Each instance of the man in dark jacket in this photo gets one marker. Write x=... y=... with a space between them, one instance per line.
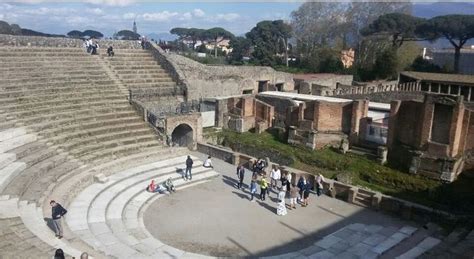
x=57 y=213
x=189 y=165
x=240 y=175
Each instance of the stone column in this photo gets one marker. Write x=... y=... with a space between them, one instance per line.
x=449 y=89
x=469 y=93
x=429 y=87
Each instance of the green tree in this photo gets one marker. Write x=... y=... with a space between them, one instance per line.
x=192 y=34
x=457 y=29
x=74 y=34
x=386 y=64
x=399 y=27
x=269 y=40
x=5 y=28
x=240 y=48
x=422 y=65
x=92 y=34
x=217 y=35
x=127 y=35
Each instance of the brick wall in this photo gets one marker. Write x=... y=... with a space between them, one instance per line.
x=332 y=117
x=408 y=121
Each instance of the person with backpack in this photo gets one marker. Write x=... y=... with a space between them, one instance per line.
x=294 y=192
x=189 y=166
x=57 y=213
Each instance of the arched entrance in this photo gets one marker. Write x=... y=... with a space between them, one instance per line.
x=183 y=136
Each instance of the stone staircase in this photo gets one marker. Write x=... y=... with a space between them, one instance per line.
x=108 y=216
x=138 y=71
x=62 y=115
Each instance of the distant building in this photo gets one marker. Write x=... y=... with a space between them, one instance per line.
x=134 y=26
x=347 y=58
x=445 y=58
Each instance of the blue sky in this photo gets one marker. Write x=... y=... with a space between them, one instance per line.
x=108 y=16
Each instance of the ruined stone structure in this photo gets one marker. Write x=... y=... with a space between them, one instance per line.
x=434 y=137
x=316 y=121
x=320 y=84
x=244 y=113
x=455 y=84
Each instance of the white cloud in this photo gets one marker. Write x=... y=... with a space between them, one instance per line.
x=5 y=7
x=109 y=2
x=159 y=17
x=186 y=16
x=96 y=11
x=2 y=16
x=228 y=17
x=198 y=13
x=129 y=16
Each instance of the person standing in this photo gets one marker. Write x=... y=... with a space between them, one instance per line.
x=59 y=254
x=57 y=213
x=240 y=175
x=319 y=184
x=263 y=188
x=305 y=192
x=281 y=209
x=294 y=192
x=275 y=176
x=253 y=188
x=189 y=166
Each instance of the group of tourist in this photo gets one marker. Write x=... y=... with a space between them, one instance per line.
x=281 y=183
x=91 y=46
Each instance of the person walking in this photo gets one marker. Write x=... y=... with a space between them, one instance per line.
x=275 y=176
x=300 y=185
x=319 y=184
x=294 y=192
x=253 y=188
x=263 y=188
x=189 y=166
x=57 y=213
x=240 y=175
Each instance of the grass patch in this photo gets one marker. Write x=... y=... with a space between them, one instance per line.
x=364 y=172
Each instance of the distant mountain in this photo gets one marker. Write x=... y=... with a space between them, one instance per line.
x=165 y=36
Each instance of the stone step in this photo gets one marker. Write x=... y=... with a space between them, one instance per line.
x=25 y=150
x=142 y=72
x=49 y=74
x=16 y=141
x=9 y=172
x=393 y=240
x=6 y=159
x=130 y=205
x=44 y=55
x=139 y=80
x=11 y=133
x=119 y=151
x=74 y=129
x=96 y=196
x=38 y=98
x=119 y=105
x=27 y=68
x=112 y=98
x=99 y=75
x=151 y=85
x=32 y=218
x=33 y=85
x=40 y=49
x=8 y=209
x=150 y=75
x=47 y=90
x=118 y=61
x=425 y=245
x=119 y=67
x=81 y=146
x=83 y=121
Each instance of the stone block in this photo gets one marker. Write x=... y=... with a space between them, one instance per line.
x=100 y=178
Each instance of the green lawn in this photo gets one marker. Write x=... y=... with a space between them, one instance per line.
x=455 y=197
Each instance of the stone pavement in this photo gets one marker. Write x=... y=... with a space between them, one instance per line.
x=217 y=219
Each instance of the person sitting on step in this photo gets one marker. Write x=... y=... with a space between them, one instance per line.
x=208 y=163
x=110 y=51
x=168 y=184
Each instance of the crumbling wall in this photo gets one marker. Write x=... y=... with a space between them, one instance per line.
x=214 y=81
